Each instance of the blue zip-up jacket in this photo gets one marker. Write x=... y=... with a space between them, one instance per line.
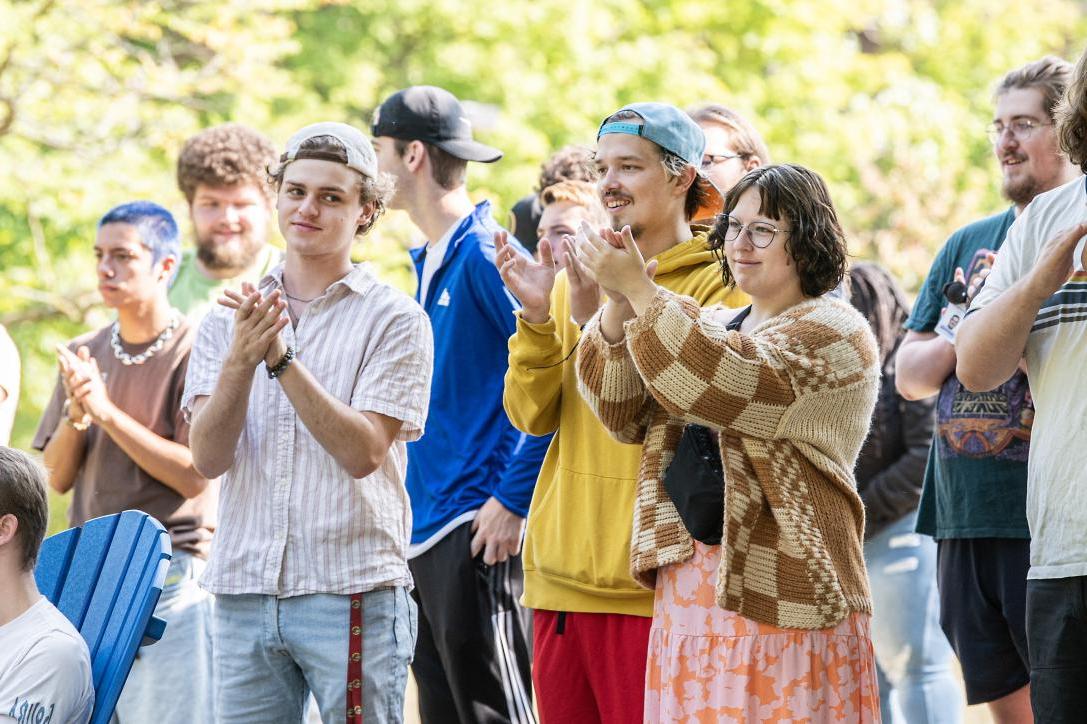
x=469 y=451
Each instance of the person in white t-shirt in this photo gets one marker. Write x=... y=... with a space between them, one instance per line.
x=1033 y=308
x=45 y=670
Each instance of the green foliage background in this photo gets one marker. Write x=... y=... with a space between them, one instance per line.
x=888 y=99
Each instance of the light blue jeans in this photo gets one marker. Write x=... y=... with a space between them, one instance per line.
x=171 y=679
x=271 y=653
x=916 y=683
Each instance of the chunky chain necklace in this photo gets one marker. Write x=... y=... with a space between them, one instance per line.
x=138 y=359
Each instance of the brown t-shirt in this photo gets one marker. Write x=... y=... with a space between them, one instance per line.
x=109 y=481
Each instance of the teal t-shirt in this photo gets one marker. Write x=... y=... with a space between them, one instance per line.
x=976 y=478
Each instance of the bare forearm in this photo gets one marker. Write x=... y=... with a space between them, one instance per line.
x=612 y=319
x=991 y=341
x=63 y=456
x=166 y=461
x=922 y=365
x=350 y=437
x=217 y=423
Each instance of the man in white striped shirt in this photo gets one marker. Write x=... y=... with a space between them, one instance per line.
x=309 y=563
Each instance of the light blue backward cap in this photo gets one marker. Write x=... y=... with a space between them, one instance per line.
x=665 y=125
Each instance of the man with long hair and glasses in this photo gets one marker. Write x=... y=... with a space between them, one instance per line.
x=974 y=497
x=1031 y=308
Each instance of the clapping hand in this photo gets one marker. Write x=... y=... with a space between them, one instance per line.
x=612 y=259
x=530 y=281
x=257 y=324
x=584 y=291
x=84 y=385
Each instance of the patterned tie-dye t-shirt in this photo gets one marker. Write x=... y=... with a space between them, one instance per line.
x=976 y=479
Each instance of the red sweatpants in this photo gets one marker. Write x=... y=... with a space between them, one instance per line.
x=589 y=668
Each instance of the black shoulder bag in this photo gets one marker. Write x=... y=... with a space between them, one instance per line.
x=695 y=479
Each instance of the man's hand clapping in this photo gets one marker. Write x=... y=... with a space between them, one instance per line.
x=613 y=260
x=530 y=281
x=257 y=324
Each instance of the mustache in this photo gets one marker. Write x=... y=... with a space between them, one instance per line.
x=615 y=195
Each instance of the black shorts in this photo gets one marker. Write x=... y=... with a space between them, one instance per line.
x=1057 y=629
x=983 y=587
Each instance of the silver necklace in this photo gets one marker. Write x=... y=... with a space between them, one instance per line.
x=138 y=359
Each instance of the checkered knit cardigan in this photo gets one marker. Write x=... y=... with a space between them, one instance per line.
x=792 y=402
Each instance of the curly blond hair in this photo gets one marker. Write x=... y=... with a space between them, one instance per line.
x=579 y=193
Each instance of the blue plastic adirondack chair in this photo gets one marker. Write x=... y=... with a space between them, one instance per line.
x=106 y=577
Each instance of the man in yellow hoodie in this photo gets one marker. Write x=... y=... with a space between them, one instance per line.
x=592 y=620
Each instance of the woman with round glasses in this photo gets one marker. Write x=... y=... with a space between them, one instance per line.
x=762 y=604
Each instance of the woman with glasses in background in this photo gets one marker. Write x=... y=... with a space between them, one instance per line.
x=747 y=522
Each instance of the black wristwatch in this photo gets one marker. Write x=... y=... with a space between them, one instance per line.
x=281 y=366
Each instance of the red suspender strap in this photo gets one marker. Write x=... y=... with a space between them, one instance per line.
x=354 y=663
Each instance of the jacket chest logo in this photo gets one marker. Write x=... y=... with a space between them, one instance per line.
x=444 y=299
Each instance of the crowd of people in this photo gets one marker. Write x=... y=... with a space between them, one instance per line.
x=656 y=452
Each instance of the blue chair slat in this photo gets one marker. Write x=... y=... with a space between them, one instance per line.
x=126 y=628
x=129 y=631
x=53 y=562
x=81 y=578
x=110 y=613
x=107 y=578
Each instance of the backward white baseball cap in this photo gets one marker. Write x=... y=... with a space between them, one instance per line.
x=359 y=148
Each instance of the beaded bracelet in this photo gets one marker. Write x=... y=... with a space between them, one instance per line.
x=281 y=366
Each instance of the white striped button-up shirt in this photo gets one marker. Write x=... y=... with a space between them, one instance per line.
x=292 y=521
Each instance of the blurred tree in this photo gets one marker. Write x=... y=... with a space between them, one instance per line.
x=95 y=96
x=886 y=98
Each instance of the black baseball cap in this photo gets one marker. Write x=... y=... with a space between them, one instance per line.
x=432 y=115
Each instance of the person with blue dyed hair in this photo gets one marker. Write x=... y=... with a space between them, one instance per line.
x=113 y=434
x=155 y=225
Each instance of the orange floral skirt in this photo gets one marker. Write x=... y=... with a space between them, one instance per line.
x=707 y=664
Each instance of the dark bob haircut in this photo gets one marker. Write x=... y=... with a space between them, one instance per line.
x=799 y=197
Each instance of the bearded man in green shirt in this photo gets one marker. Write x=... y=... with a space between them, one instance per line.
x=223 y=172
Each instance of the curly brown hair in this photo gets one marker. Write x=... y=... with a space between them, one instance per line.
x=569 y=163
x=325 y=148
x=1071 y=115
x=225 y=155
x=799 y=196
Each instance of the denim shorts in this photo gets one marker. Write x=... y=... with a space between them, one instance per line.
x=351 y=652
